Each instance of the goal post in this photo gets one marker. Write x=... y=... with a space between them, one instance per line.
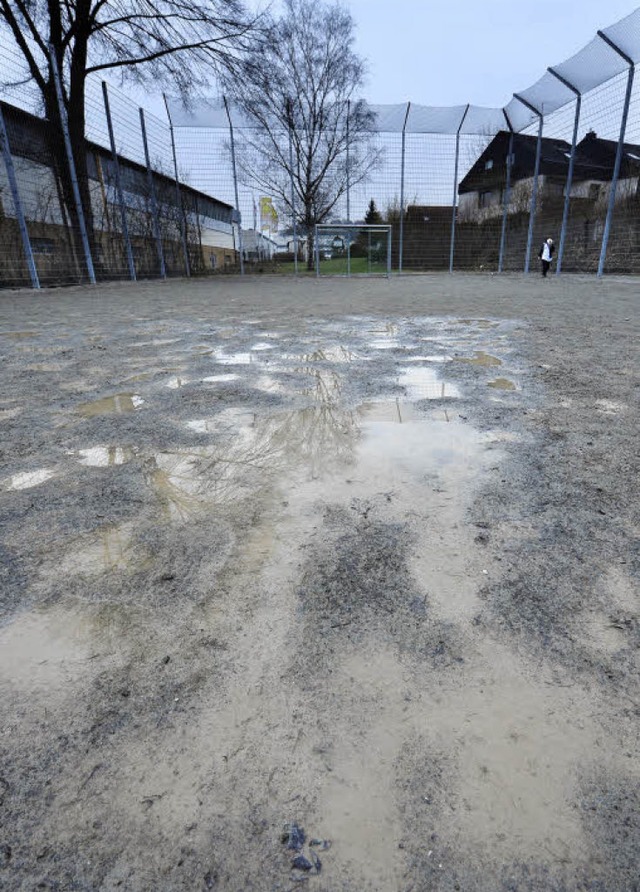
x=352 y=249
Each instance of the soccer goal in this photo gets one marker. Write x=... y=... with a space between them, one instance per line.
x=352 y=249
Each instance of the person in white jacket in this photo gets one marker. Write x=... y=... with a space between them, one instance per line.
x=545 y=254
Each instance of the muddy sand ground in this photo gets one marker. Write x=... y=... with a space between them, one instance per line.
x=330 y=585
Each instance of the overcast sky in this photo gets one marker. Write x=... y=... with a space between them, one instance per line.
x=480 y=51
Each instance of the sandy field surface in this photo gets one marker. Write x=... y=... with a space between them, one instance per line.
x=328 y=585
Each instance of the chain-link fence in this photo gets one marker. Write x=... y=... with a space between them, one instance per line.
x=117 y=206
x=463 y=188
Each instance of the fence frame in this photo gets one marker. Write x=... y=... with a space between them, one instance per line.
x=72 y=167
x=17 y=203
x=152 y=196
x=619 y=151
x=116 y=168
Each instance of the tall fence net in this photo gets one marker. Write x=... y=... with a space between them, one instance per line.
x=462 y=188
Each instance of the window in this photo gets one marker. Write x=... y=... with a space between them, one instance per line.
x=212 y=261
x=484 y=199
x=594 y=191
x=488 y=165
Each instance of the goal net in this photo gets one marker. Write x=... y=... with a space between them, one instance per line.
x=347 y=249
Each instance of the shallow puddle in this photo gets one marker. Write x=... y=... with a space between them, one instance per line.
x=103 y=456
x=29 y=479
x=111 y=405
x=177 y=382
x=331 y=354
x=502 y=384
x=384 y=344
x=391 y=412
x=482 y=359
x=425 y=384
x=220 y=379
x=108 y=549
x=41 y=650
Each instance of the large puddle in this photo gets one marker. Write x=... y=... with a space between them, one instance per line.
x=319 y=439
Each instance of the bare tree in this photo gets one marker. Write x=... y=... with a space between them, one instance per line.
x=298 y=89
x=169 y=40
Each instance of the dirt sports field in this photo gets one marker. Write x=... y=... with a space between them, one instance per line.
x=328 y=585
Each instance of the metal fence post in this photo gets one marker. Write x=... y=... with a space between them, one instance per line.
x=455 y=191
x=72 y=167
x=572 y=159
x=402 y=160
x=619 y=152
x=17 y=203
x=179 y=206
x=116 y=168
x=316 y=249
x=536 y=174
x=152 y=197
x=293 y=190
x=389 y=233
x=235 y=184
x=506 y=198
x=348 y=163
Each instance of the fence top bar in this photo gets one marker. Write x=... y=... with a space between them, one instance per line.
x=564 y=81
x=527 y=104
x=616 y=48
x=595 y=64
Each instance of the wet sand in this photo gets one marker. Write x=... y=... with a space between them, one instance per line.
x=357 y=555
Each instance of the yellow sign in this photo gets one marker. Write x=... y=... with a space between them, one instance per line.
x=268 y=215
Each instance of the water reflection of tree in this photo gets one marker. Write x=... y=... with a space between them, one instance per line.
x=248 y=458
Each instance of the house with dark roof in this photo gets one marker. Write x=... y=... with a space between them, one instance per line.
x=481 y=192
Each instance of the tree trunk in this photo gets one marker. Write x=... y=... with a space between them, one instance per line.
x=59 y=161
x=311 y=232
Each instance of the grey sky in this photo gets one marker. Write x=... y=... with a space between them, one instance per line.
x=478 y=51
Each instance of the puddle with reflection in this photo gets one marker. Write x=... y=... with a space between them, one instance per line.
x=432 y=358
x=229 y=420
x=270 y=384
x=383 y=344
x=220 y=379
x=108 y=548
x=479 y=323
x=420 y=446
x=331 y=354
x=103 y=456
x=111 y=405
x=28 y=479
x=177 y=382
x=425 y=384
x=482 y=359
x=502 y=384
x=388 y=412
x=234 y=358
x=390 y=329
x=158 y=342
